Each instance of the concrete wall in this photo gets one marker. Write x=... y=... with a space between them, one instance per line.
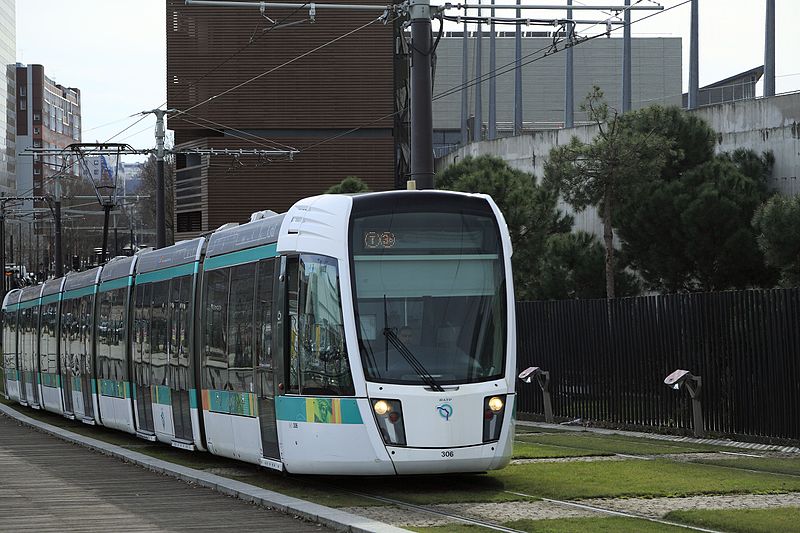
x=764 y=124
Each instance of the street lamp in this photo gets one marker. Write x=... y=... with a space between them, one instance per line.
x=542 y=377
x=104 y=179
x=694 y=385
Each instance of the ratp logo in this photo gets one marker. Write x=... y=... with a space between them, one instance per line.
x=445 y=410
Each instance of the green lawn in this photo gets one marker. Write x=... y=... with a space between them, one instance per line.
x=780 y=519
x=614 y=479
x=610 y=444
x=615 y=524
x=764 y=464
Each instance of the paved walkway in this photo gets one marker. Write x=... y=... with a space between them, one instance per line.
x=47 y=484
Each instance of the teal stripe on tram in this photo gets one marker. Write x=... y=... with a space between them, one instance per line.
x=94 y=386
x=250 y=255
x=161 y=395
x=114 y=389
x=76 y=384
x=128 y=390
x=317 y=410
x=113 y=284
x=51 y=380
x=192 y=398
x=77 y=293
x=50 y=298
x=28 y=304
x=167 y=273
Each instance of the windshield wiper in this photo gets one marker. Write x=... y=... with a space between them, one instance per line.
x=415 y=364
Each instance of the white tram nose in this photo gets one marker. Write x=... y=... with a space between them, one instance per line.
x=451 y=431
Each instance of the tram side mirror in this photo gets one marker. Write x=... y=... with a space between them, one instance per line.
x=529 y=373
x=677 y=379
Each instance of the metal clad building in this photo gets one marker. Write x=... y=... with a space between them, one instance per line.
x=656 y=78
x=308 y=101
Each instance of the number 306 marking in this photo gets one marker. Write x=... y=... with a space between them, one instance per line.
x=447 y=453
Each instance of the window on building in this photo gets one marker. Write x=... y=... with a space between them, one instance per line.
x=37 y=117
x=23 y=105
x=36 y=131
x=22 y=90
x=37 y=171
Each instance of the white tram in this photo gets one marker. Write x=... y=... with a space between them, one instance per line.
x=366 y=334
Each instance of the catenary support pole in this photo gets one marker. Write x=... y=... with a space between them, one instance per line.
x=518 y=74
x=569 y=91
x=626 y=59
x=464 y=82
x=477 y=127
x=421 y=95
x=59 y=259
x=694 y=57
x=493 y=80
x=769 y=50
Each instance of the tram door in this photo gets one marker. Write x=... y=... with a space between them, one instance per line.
x=86 y=367
x=66 y=331
x=141 y=359
x=178 y=356
x=267 y=321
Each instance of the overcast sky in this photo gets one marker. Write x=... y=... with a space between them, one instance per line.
x=114 y=50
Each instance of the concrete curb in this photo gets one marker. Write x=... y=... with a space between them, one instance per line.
x=330 y=517
x=670 y=438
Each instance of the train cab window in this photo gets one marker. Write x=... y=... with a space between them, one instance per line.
x=215 y=329
x=240 y=328
x=317 y=353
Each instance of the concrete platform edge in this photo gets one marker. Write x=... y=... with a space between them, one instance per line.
x=328 y=516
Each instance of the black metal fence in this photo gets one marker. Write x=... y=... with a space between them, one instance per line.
x=608 y=359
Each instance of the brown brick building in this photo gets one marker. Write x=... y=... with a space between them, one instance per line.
x=309 y=104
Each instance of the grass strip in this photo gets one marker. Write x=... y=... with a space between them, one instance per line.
x=614 y=524
x=619 y=444
x=648 y=479
x=776 y=465
x=784 y=519
x=525 y=450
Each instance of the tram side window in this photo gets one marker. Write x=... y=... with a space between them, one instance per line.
x=103 y=327
x=141 y=347
x=10 y=341
x=158 y=333
x=48 y=342
x=319 y=329
x=180 y=300
x=240 y=327
x=215 y=329
x=111 y=327
x=84 y=306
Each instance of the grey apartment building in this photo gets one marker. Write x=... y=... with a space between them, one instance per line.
x=655 y=78
x=8 y=51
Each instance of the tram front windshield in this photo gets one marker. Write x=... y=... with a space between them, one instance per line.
x=430 y=296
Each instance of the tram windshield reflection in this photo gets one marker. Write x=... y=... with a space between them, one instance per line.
x=436 y=282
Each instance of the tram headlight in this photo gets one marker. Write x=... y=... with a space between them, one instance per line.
x=381 y=407
x=389 y=417
x=493 y=411
x=496 y=403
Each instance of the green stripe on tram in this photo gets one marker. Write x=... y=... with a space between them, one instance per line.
x=250 y=255
x=192 y=398
x=167 y=273
x=113 y=284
